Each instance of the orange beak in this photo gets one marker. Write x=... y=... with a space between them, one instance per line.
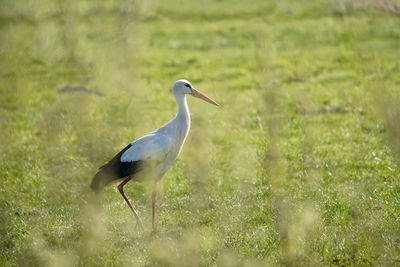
x=200 y=95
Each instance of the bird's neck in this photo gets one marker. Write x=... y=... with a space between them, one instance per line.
x=183 y=110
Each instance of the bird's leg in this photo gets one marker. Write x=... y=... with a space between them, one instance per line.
x=154 y=198
x=121 y=190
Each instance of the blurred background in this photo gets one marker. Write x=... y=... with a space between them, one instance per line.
x=299 y=166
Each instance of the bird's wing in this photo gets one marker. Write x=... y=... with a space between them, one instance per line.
x=146 y=152
x=154 y=146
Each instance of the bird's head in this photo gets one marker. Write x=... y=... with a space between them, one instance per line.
x=185 y=87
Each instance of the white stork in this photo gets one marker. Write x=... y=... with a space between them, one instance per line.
x=150 y=156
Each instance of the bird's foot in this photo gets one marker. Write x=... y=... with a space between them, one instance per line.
x=154 y=232
x=140 y=225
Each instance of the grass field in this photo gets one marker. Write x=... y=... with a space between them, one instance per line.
x=299 y=167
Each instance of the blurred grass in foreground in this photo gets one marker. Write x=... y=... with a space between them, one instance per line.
x=295 y=169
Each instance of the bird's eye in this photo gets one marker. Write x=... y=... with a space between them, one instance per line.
x=187 y=85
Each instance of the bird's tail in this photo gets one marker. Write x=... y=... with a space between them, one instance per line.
x=109 y=172
x=100 y=180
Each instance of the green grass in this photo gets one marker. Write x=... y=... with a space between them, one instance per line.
x=299 y=166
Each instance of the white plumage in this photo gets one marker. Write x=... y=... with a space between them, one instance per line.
x=153 y=154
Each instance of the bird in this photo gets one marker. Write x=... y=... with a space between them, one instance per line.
x=150 y=156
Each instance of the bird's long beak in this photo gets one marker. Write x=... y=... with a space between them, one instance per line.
x=200 y=95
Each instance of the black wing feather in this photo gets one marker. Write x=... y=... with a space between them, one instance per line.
x=114 y=170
